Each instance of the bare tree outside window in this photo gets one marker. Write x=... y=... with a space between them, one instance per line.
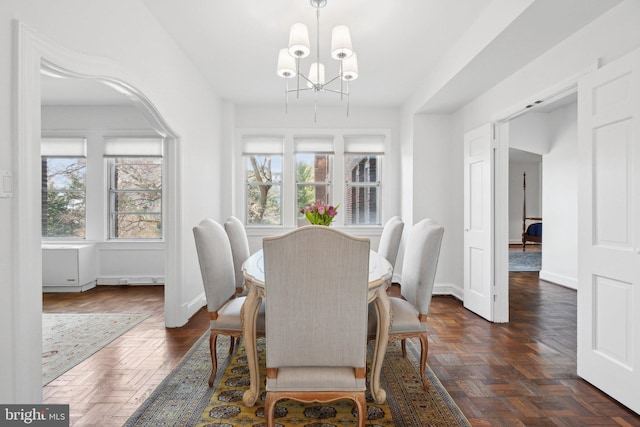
x=264 y=180
x=63 y=197
x=136 y=198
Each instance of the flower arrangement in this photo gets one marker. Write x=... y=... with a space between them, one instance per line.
x=318 y=213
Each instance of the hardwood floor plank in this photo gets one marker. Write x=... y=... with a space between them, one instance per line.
x=518 y=374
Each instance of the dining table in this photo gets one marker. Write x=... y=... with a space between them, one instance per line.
x=380 y=274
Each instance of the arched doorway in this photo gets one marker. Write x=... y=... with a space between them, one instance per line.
x=36 y=54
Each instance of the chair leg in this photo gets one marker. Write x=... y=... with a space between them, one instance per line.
x=232 y=343
x=424 y=348
x=360 y=402
x=403 y=343
x=213 y=338
x=269 y=409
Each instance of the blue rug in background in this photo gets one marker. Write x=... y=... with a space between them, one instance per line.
x=524 y=261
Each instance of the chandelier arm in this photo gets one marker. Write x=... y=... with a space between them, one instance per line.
x=307 y=79
x=315 y=106
x=336 y=77
x=298 y=78
x=299 y=90
x=339 y=92
x=341 y=81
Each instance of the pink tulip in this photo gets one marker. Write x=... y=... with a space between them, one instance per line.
x=321 y=209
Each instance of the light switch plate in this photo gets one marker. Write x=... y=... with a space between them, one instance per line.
x=6 y=183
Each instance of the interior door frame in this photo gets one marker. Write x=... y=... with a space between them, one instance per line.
x=501 y=183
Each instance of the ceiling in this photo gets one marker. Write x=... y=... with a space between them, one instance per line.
x=401 y=46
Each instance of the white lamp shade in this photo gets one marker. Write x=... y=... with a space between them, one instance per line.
x=313 y=74
x=350 y=68
x=286 y=64
x=341 y=42
x=299 y=41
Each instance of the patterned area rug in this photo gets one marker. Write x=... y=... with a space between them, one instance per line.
x=68 y=339
x=184 y=398
x=524 y=261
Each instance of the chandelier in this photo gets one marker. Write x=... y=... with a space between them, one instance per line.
x=299 y=48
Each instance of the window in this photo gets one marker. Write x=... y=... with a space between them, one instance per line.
x=282 y=174
x=263 y=178
x=363 y=157
x=64 y=168
x=313 y=171
x=135 y=187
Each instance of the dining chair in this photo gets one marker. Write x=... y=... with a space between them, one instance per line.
x=410 y=310
x=216 y=266
x=239 y=249
x=390 y=239
x=316 y=286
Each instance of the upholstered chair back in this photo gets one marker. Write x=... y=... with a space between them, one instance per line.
x=316 y=284
x=390 y=239
x=239 y=246
x=216 y=263
x=420 y=263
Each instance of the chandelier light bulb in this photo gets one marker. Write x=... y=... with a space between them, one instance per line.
x=286 y=64
x=299 y=41
x=313 y=75
x=350 y=68
x=341 y=47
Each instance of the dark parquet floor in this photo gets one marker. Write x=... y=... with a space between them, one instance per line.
x=518 y=374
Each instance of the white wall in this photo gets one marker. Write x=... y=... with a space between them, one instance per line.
x=559 y=199
x=530 y=132
x=607 y=38
x=127 y=35
x=432 y=197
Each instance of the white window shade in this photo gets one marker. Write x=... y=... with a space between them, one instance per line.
x=262 y=145
x=63 y=147
x=364 y=144
x=133 y=147
x=319 y=145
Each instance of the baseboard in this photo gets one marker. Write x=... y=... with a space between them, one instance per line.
x=81 y=288
x=130 y=280
x=195 y=304
x=559 y=279
x=448 y=289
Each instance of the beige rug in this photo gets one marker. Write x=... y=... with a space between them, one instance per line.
x=68 y=339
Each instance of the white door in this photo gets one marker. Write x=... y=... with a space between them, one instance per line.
x=478 y=221
x=609 y=230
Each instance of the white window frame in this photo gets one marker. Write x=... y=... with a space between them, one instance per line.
x=289 y=212
x=132 y=147
x=320 y=145
x=66 y=148
x=261 y=145
x=371 y=146
x=376 y=184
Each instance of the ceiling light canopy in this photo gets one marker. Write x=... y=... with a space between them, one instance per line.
x=299 y=48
